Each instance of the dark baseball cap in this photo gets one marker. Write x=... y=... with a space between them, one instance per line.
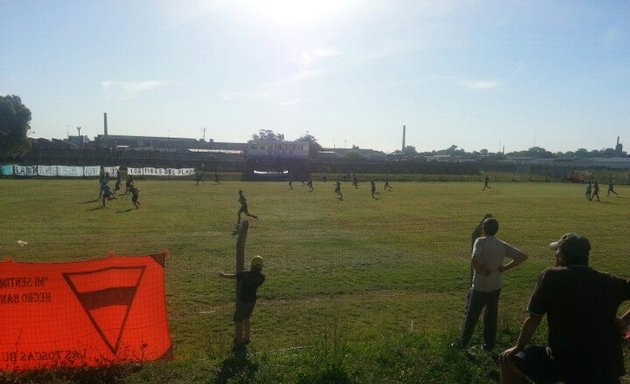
x=572 y=244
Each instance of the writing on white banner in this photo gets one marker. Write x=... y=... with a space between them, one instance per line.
x=68 y=171
x=25 y=170
x=149 y=171
x=91 y=171
x=47 y=170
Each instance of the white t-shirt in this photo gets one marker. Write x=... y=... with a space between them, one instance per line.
x=490 y=252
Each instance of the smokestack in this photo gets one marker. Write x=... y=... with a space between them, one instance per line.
x=105 y=122
x=404 y=133
x=617 y=140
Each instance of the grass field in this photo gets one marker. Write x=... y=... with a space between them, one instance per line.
x=357 y=291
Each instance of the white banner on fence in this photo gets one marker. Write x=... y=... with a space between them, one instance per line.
x=111 y=170
x=149 y=171
x=68 y=171
x=7 y=169
x=47 y=170
x=25 y=170
x=91 y=171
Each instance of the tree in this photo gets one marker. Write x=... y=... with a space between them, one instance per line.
x=314 y=146
x=409 y=151
x=267 y=135
x=14 y=126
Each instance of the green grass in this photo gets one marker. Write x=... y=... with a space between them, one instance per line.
x=357 y=291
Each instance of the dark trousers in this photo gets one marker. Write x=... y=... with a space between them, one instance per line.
x=477 y=301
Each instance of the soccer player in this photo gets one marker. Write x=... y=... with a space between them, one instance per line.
x=338 y=189
x=373 y=188
x=243 y=209
x=216 y=178
x=128 y=184
x=589 y=190
x=248 y=283
x=106 y=192
x=134 y=196
x=387 y=187
x=486 y=180
x=595 y=190
x=611 y=187
x=309 y=183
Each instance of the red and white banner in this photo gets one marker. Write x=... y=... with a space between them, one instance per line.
x=89 y=313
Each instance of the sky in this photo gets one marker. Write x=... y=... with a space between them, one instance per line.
x=496 y=75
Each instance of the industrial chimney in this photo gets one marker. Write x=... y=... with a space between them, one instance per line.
x=404 y=133
x=105 y=122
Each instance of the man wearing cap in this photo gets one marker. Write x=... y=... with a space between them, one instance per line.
x=584 y=336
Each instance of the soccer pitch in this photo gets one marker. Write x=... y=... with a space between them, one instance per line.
x=372 y=267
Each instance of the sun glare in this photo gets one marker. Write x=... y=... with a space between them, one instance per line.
x=294 y=12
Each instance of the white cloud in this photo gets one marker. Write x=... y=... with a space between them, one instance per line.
x=312 y=57
x=129 y=89
x=245 y=95
x=290 y=102
x=481 y=84
x=311 y=62
x=178 y=13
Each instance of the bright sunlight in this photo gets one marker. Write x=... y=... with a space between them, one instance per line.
x=295 y=12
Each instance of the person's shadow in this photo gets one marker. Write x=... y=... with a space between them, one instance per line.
x=237 y=365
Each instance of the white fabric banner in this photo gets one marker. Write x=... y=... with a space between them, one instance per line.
x=68 y=171
x=25 y=170
x=47 y=170
x=91 y=171
x=134 y=171
x=111 y=171
x=150 y=171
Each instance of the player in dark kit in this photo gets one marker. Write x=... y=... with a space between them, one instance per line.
x=611 y=188
x=106 y=192
x=595 y=190
x=373 y=188
x=338 y=189
x=589 y=190
x=247 y=287
x=486 y=180
x=134 y=196
x=387 y=187
x=128 y=184
x=243 y=209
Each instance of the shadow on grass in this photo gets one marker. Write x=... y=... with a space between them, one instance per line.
x=91 y=201
x=237 y=365
x=125 y=210
x=95 y=208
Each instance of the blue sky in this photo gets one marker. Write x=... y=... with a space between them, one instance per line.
x=476 y=74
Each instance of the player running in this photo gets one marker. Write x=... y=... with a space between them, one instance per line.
x=595 y=190
x=387 y=187
x=134 y=196
x=373 y=188
x=243 y=209
x=486 y=181
x=338 y=189
x=611 y=187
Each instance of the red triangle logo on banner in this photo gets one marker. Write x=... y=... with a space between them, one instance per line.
x=107 y=296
